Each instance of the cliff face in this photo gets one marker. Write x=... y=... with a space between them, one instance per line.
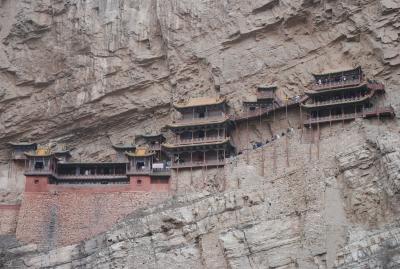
x=340 y=211
x=87 y=72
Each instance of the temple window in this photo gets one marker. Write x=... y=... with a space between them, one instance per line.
x=39 y=165
x=139 y=182
x=139 y=165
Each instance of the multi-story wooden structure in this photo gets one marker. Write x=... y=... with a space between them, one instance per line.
x=40 y=169
x=342 y=96
x=201 y=134
x=266 y=99
x=121 y=149
x=62 y=154
x=19 y=149
x=139 y=170
x=153 y=141
x=146 y=172
x=267 y=102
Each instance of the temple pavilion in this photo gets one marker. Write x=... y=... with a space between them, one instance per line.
x=342 y=95
x=121 y=149
x=153 y=141
x=19 y=149
x=40 y=161
x=55 y=164
x=266 y=99
x=201 y=134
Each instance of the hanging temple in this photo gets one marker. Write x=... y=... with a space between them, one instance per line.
x=201 y=135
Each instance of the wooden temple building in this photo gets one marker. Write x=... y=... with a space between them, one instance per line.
x=19 y=149
x=201 y=134
x=121 y=148
x=266 y=100
x=153 y=141
x=146 y=171
x=343 y=95
x=138 y=169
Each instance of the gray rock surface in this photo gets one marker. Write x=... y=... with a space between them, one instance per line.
x=89 y=72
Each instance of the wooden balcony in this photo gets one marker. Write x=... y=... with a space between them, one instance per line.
x=18 y=156
x=340 y=101
x=336 y=84
x=262 y=95
x=201 y=140
x=156 y=147
x=155 y=172
x=198 y=121
x=376 y=86
x=386 y=111
x=161 y=172
x=207 y=163
x=267 y=111
x=138 y=172
x=91 y=177
x=39 y=172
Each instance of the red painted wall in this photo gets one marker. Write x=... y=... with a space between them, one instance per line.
x=160 y=184
x=36 y=184
x=140 y=183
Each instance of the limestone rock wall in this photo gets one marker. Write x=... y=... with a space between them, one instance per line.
x=306 y=214
x=88 y=73
x=85 y=72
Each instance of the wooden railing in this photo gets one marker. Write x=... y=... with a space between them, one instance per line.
x=199 y=164
x=368 y=112
x=44 y=171
x=336 y=84
x=201 y=140
x=338 y=101
x=385 y=110
x=161 y=171
x=265 y=95
x=90 y=177
x=18 y=156
x=155 y=147
x=200 y=120
x=376 y=86
x=263 y=111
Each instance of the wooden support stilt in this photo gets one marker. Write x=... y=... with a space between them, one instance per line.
x=273 y=109
x=223 y=157
x=177 y=176
x=191 y=168
x=286 y=111
x=301 y=124
x=262 y=146
x=204 y=165
x=318 y=135
x=248 y=139
x=274 y=158
x=379 y=121
x=342 y=117
x=311 y=139
x=287 y=150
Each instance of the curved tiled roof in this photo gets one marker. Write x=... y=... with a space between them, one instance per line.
x=141 y=152
x=200 y=101
x=331 y=71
